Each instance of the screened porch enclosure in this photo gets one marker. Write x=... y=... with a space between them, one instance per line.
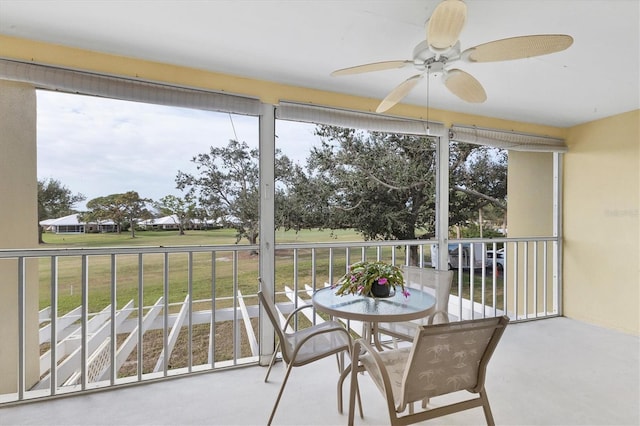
x=203 y=307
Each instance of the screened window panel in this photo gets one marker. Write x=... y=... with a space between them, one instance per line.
x=506 y=140
x=357 y=120
x=54 y=78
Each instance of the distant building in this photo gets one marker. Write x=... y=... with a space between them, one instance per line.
x=73 y=225
x=171 y=222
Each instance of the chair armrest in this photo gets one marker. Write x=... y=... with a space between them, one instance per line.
x=382 y=370
x=293 y=313
x=337 y=328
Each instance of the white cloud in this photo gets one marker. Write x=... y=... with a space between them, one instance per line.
x=98 y=146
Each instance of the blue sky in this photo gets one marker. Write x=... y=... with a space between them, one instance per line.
x=98 y=147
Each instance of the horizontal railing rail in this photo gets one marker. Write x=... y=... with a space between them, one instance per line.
x=107 y=317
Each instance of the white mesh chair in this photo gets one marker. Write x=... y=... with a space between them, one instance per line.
x=304 y=346
x=429 y=280
x=443 y=358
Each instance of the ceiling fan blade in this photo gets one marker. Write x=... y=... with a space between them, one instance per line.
x=398 y=93
x=518 y=48
x=464 y=86
x=376 y=66
x=445 y=24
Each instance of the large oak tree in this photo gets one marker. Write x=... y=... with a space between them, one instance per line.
x=122 y=209
x=226 y=182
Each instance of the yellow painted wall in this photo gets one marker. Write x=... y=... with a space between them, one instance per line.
x=601 y=223
x=18 y=228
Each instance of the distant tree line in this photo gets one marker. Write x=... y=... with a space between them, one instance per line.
x=382 y=185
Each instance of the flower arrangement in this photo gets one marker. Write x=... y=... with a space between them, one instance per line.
x=362 y=276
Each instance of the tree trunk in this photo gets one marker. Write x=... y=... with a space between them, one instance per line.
x=414 y=256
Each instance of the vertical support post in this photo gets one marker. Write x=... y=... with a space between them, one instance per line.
x=212 y=326
x=237 y=342
x=267 y=142
x=112 y=320
x=190 y=309
x=140 y=313
x=84 y=370
x=22 y=321
x=165 y=315
x=442 y=202
x=557 y=231
x=53 y=369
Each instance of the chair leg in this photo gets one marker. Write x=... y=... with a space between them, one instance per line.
x=354 y=392
x=425 y=402
x=340 y=360
x=343 y=376
x=284 y=382
x=487 y=409
x=273 y=361
x=352 y=395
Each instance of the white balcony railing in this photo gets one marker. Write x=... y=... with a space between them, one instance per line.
x=111 y=317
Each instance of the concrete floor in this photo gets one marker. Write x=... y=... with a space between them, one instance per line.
x=551 y=372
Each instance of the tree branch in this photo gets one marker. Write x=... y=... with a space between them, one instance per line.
x=350 y=208
x=495 y=201
x=397 y=188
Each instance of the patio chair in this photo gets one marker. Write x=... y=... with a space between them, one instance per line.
x=443 y=359
x=429 y=280
x=306 y=345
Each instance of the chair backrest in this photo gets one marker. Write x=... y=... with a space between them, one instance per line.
x=272 y=313
x=431 y=280
x=450 y=357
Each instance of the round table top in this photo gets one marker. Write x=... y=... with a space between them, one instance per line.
x=374 y=309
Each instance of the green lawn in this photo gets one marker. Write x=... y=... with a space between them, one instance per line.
x=127 y=268
x=172 y=238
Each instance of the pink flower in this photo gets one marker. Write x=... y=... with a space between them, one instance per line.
x=382 y=281
x=360 y=288
x=406 y=292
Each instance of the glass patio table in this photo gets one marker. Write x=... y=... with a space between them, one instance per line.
x=372 y=310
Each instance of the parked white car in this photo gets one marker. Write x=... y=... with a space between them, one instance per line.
x=499 y=255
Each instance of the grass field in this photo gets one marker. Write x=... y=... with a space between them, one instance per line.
x=127 y=271
x=127 y=268
x=243 y=263
x=228 y=270
x=191 y=238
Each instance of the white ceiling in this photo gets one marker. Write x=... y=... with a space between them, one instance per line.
x=301 y=42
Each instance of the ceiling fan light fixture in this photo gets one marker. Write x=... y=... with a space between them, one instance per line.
x=464 y=86
x=445 y=25
x=441 y=49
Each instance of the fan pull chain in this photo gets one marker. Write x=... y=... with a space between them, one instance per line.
x=428 y=129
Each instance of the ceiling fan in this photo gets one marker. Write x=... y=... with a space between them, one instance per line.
x=441 y=49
